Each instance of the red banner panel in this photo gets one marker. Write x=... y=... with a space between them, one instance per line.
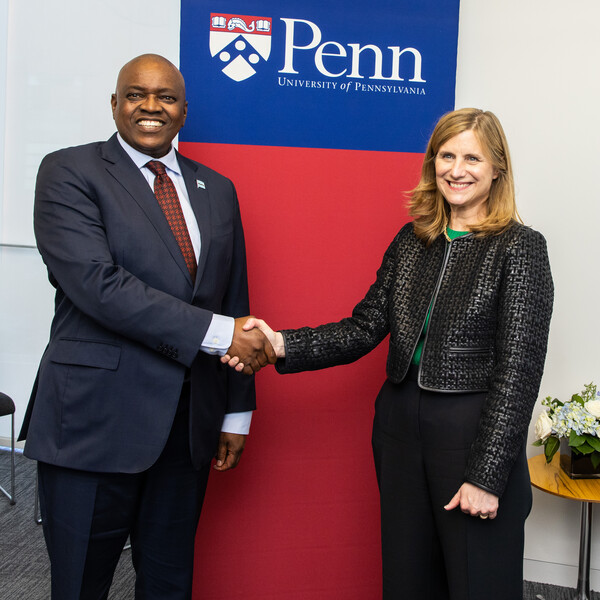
x=299 y=518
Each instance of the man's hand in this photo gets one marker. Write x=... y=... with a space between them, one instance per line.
x=274 y=337
x=231 y=446
x=252 y=348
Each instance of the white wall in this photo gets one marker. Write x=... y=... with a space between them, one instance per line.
x=3 y=31
x=534 y=63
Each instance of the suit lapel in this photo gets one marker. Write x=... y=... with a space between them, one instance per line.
x=124 y=170
x=199 y=199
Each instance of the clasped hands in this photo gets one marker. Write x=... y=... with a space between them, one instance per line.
x=254 y=346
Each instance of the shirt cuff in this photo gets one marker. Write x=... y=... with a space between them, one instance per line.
x=237 y=422
x=219 y=336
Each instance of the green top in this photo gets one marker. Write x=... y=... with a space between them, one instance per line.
x=416 y=359
x=452 y=234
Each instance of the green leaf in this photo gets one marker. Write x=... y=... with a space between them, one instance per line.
x=575 y=440
x=585 y=449
x=550 y=399
x=550 y=448
x=595 y=458
x=538 y=443
x=593 y=441
x=577 y=398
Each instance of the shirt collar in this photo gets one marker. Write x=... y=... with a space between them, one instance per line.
x=140 y=159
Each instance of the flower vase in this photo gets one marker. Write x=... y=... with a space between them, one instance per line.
x=577 y=466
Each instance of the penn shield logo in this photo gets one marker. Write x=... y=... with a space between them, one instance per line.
x=240 y=42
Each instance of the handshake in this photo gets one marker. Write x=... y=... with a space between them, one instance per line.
x=254 y=346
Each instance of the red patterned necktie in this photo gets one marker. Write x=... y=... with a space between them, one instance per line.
x=166 y=194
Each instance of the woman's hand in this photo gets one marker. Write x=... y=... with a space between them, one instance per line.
x=474 y=501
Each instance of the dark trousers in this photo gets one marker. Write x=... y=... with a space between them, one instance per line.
x=88 y=516
x=421 y=442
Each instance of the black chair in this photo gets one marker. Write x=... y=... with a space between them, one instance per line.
x=7 y=407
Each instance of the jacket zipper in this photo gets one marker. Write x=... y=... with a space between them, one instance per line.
x=447 y=252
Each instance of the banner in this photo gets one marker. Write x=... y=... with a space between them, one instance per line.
x=319 y=75
x=320 y=113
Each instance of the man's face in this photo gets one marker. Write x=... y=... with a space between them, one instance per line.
x=149 y=106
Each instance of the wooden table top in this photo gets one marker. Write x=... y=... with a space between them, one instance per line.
x=552 y=479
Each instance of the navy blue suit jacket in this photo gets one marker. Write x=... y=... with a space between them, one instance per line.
x=128 y=322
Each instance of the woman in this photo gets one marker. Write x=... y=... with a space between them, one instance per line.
x=465 y=292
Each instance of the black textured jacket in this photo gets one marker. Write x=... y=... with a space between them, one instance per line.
x=491 y=303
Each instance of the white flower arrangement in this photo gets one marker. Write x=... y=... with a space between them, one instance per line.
x=578 y=419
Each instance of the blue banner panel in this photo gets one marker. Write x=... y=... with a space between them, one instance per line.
x=339 y=75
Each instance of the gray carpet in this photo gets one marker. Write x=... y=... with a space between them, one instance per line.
x=24 y=566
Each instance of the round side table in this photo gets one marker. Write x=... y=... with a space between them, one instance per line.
x=552 y=479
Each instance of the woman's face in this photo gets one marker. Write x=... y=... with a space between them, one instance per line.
x=464 y=175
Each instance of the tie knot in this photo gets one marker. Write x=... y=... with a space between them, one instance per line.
x=156 y=167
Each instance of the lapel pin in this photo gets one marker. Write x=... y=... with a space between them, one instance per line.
x=200 y=184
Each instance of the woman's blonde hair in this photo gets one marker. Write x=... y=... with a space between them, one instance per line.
x=427 y=205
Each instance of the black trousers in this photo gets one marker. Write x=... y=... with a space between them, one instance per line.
x=421 y=442
x=88 y=516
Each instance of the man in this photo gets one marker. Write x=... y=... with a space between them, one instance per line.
x=148 y=262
